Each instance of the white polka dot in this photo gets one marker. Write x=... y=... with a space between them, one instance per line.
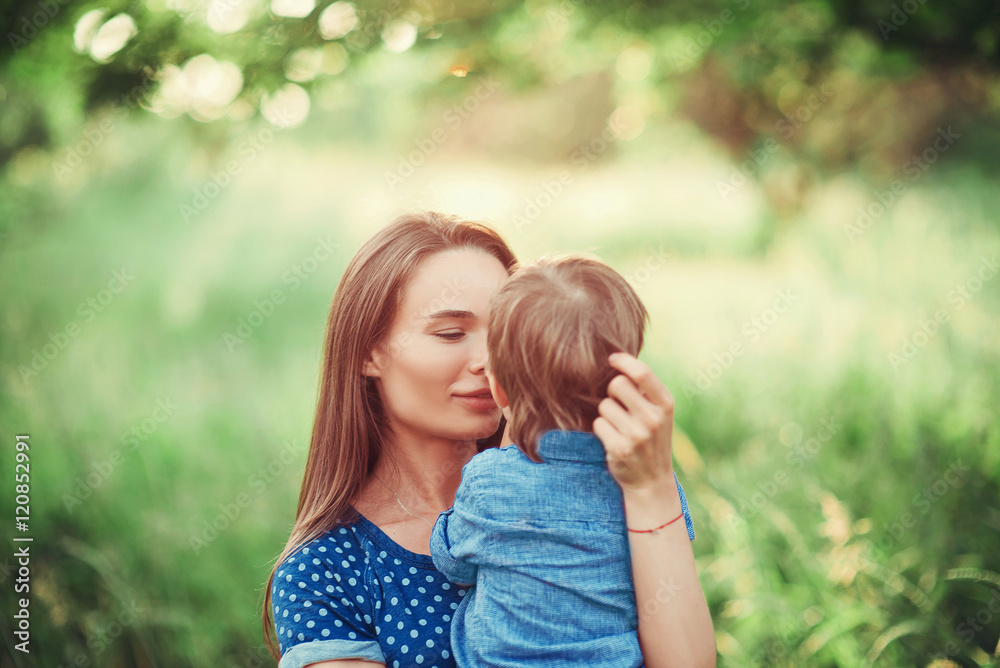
x=390 y=640
x=413 y=633
x=414 y=602
x=307 y=604
x=423 y=622
x=400 y=625
x=438 y=630
x=352 y=582
x=302 y=567
x=310 y=624
x=430 y=578
x=444 y=654
x=412 y=569
x=404 y=649
x=394 y=600
x=297 y=617
x=419 y=658
x=352 y=635
x=285 y=614
x=387 y=578
x=301 y=637
x=430 y=608
x=322 y=612
x=345 y=564
x=326 y=632
x=388 y=618
x=328 y=575
x=305 y=550
x=445 y=585
x=316 y=562
x=405 y=581
x=338 y=623
x=430 y=643
x=347 y=543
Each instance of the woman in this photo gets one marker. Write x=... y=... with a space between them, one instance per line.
x=404 y=403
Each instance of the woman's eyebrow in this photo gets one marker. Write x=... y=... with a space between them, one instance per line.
x=451 y=313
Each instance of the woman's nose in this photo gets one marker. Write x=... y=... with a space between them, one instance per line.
x=479 y=356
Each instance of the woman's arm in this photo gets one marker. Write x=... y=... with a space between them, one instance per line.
x=635 y=425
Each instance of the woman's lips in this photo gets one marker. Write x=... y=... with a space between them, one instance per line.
x=477 y=402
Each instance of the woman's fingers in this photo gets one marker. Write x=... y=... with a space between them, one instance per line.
x=625 y=391
x=644 y=379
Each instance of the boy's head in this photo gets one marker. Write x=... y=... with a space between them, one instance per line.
x=553 y=325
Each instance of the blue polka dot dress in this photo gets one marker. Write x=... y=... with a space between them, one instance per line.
x=353 y=593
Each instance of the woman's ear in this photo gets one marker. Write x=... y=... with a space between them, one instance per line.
x=373 y=365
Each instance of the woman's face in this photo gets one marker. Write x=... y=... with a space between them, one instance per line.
x=431 y=366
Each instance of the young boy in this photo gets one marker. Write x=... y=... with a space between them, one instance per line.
x=539 y=528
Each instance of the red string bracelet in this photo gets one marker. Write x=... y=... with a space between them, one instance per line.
x=659 y=527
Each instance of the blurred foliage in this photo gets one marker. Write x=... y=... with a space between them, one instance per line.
x=761 y=58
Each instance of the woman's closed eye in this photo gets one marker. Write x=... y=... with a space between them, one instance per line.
x=450 y=336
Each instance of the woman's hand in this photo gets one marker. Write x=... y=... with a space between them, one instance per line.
x=635 y=425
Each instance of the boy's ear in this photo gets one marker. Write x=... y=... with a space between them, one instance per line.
x=499 y=395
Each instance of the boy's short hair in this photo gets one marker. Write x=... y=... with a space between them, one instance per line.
x=553 y=325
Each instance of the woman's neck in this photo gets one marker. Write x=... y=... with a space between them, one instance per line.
x=424 y=474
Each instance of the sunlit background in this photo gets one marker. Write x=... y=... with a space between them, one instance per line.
x=805 y=195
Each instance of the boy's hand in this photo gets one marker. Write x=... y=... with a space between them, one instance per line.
x=635 y=425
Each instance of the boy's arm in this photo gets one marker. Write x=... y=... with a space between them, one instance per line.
x=458 y=542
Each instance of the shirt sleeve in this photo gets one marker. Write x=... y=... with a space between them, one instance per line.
x=320 y=607
x=684 y=509
x=460 y=536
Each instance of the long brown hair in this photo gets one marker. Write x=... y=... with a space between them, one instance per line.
x=350 y=428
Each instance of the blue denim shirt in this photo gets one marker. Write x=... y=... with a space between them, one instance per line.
x=547 y=549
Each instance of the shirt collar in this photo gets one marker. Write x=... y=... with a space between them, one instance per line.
x=571 y=446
